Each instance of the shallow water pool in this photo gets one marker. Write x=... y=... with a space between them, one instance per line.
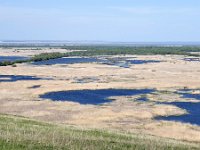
x=14 y=78
x=12 y=58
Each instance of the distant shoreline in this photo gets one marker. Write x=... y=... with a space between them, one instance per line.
x=104 y=43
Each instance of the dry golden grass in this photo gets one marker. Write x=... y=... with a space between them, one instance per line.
x=17 y=98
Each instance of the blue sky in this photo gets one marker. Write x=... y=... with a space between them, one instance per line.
x=103 y=20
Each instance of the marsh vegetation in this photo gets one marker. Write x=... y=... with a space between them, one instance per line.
x=101 y=95
x=109 y=50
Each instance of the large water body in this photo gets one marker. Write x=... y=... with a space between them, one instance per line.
x=96 y=97
x=93 y=97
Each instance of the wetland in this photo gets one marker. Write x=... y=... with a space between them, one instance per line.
x=124 y=90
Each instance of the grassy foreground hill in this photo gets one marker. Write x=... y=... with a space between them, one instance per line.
x=17 y=133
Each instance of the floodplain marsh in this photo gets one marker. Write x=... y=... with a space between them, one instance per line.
x=142 y=92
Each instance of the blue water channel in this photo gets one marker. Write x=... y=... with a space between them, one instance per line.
x=12 y=58
x=121 y=62
x=196 y=59
x=67 y=60
x=14 y=78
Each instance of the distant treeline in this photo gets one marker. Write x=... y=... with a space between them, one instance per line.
x=110 y=50
x=122 y=50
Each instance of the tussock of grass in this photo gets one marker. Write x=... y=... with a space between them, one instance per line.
x=6 y=63
x=20 y=133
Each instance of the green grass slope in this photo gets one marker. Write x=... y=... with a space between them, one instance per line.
x=18 y=133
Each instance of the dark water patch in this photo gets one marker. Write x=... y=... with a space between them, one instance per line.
x=193 y=116
x=14 y=78
x=192 y=59
x=35 y=87
x=12 y=58
x=127 y=62
x=183 y=90
x=192 y=96
x=116 y=61
x=67 y=60
x=93 y=97
x=192 y=108
x=143 y=61
x=187 y=93
x=142 y=99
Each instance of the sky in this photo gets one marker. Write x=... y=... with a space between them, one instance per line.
x=102 y=20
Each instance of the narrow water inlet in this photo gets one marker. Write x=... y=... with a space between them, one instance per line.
x=193 y=116
x=197 y=59
x=14 y=78
x=193 y=109
x=12 y=58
